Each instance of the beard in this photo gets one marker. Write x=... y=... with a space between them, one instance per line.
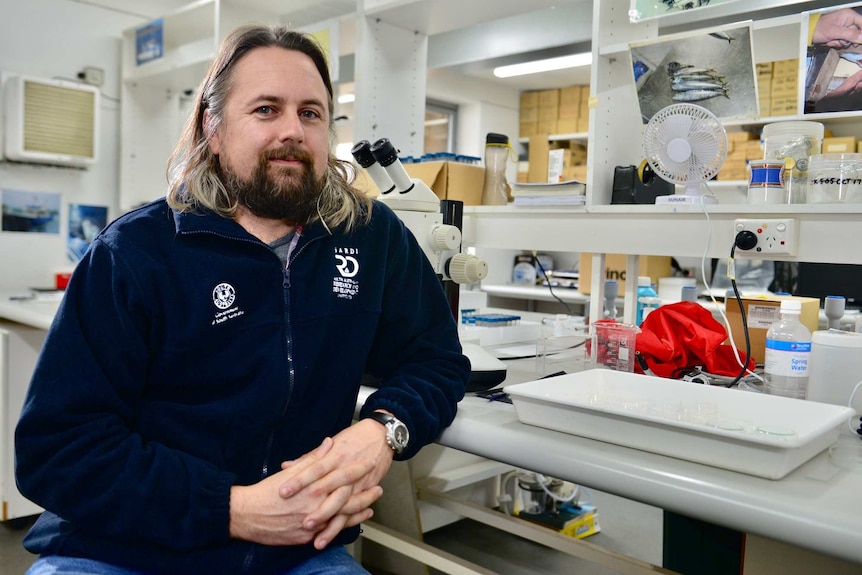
x=277 y=192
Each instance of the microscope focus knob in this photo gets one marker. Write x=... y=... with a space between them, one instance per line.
x=466 y=269
x=445 y=237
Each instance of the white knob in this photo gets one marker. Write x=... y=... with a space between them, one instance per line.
x=467 y=269
x=445 y=237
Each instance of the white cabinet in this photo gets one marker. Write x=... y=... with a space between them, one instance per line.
x=19 y=349
x=156 y=94
x=826 y=232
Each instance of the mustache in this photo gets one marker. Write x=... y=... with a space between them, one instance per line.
x=289 y=153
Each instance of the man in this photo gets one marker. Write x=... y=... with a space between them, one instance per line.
x=191 y=409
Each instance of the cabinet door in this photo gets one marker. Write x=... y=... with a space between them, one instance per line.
x=19 y=349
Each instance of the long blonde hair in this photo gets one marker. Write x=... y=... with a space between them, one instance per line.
x=193 y=170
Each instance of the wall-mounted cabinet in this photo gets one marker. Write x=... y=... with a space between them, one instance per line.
x=156 y=94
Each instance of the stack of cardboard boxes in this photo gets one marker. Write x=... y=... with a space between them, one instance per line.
x=741 y=147
x=783 y=88
x=562 y=111
x=546 y=112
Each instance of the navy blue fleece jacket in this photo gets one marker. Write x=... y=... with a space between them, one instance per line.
x=185 y=359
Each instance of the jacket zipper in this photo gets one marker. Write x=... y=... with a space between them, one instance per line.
x=291 y=376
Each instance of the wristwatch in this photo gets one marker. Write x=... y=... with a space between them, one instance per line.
x=397 y=434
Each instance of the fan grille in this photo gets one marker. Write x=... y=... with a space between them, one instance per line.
x=692 y=124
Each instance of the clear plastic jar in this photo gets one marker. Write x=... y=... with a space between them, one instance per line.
x=793 y=143
x=834 y=178
x=496 y=190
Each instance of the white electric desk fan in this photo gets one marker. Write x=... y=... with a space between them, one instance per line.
x=685 y=144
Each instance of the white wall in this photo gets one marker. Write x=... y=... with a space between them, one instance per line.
x=57 y=39
x=482 y=107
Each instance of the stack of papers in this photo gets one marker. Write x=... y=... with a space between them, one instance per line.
x=568 y=193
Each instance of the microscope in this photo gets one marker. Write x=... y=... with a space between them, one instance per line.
x=436 y=224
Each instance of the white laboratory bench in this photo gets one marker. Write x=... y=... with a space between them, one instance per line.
x=817 y=506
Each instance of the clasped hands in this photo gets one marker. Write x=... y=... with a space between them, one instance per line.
x=319 y=494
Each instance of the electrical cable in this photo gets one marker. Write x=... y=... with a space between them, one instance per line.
x=712 y=296
x=541 y=480
x=744 y=320
x=539 y=265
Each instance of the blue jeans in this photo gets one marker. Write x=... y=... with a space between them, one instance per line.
x=335 y=561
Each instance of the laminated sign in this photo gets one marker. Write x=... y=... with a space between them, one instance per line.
x=149 y=42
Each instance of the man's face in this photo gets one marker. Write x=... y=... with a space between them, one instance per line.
x=273 y=141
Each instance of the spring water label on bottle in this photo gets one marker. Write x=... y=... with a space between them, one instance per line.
x=787 y=358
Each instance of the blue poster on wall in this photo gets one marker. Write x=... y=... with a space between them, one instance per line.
x=149 y=42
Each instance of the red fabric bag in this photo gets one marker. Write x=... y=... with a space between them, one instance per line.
x=683 y=335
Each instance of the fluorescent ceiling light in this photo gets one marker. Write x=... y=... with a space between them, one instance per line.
x=346 y=98
x=572 y=61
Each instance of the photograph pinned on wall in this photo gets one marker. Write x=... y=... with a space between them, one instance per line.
x=85 y=223
x=648 y=9
x=832 y=52
x=37 y=212
x=713 y=68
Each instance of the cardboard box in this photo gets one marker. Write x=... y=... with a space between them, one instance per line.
x=570 y=96
x=838 y=145
x=615 y=269
x=569 y=111
x=549 y=113
x=549 y=98
x=760 y=313
x=530 y=99
x=527 y=129
x=528 y=115
x=567 y=125
x=538 y=158
x=451 y=180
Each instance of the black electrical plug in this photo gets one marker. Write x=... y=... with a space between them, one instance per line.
x=745 y=240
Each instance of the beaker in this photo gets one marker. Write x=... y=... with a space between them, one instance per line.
x=612 y=346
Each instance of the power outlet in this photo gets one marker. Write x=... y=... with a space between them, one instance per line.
x=774 y=237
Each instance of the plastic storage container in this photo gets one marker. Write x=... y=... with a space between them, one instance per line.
x=836 y=367
x=788 y=351
x=834 y=178
x=793 y=143
x=496 y=190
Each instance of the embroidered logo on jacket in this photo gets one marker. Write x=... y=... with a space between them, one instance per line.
x=224 y=296
x=344 y=285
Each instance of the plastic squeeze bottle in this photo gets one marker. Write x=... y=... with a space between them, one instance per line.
x=644 y=291
x=495 y=191
x=788 y=349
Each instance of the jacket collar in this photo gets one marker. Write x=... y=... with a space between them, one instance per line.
x=204 y=220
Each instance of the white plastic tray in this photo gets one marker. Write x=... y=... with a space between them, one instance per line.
x=763 y=435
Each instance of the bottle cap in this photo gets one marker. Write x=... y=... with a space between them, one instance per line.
x=644 y=281
x=791 y=306
x=493 y=138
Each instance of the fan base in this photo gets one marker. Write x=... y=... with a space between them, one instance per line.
x=683 y=199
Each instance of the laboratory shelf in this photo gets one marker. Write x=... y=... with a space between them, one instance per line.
x=536 y=293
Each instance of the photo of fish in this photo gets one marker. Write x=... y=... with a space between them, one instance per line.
x=712 y=68
x=646 y=9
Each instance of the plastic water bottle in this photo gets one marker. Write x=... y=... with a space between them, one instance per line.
x=495 y=188
x=788 y=350
x=645 y=290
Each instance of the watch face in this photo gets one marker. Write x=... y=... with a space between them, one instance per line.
x=400 y=436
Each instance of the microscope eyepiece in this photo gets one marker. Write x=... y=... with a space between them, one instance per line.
x=362 y=153
x=384 y=152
